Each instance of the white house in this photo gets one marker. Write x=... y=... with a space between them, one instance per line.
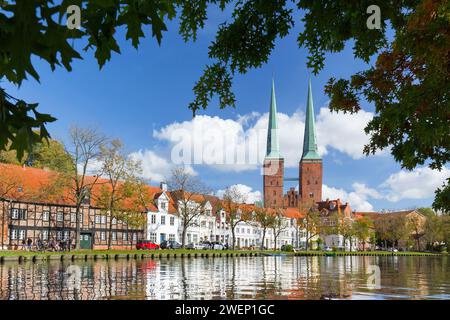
x=164 y=222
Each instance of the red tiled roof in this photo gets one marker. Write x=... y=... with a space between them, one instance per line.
x=32 y=181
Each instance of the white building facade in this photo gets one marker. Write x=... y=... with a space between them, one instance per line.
x=165 y=224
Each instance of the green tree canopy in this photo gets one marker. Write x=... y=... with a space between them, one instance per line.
x=409 y=83
x=46 y=154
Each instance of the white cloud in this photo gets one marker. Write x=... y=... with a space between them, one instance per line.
x=237 y=145
x=94 y=167
x=362 y=189
x=417 y=184
x=357 y=201
x=343 y=132
x=250 y=195
x=155 y=167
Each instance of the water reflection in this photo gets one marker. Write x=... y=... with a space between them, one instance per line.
x=229 y=278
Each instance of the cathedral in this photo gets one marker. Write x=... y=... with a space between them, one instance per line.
x=309 y=168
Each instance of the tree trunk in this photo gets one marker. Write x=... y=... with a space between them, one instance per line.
x=110 y=233
x=183 y=236
x=307 y=239
x=232 y=238
x=263 y=238
x=77 y=228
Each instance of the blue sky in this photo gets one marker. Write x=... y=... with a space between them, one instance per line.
x=139 y=93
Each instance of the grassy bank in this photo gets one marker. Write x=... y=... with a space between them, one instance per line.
x=185 y=252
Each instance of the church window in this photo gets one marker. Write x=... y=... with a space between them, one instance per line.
x=311 y=195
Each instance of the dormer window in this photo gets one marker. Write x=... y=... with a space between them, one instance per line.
x=163 y=205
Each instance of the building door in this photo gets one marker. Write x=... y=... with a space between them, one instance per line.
x=162 y=237
x=85 y=241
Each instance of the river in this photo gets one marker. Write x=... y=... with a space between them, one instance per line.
x=348 y=277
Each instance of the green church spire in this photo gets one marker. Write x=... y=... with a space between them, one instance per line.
x=273 y=145
x=310 y=140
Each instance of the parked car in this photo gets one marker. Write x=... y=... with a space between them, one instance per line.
x=146 y=245
x=196 y=246
x=205 y=245
x=328 y=249
x=170 y=244
x=393 y=250
x=216 y=246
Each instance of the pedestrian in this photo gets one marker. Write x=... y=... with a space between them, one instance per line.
x=70 y=244
x=24 y=244
x=29 y=243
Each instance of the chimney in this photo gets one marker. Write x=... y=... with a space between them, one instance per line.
x=163 y=186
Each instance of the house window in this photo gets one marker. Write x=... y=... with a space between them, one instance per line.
x=163 y=205
x=172 y=221
x=103 y=218
x=152 y=237
x=73 y=217
x=66 y=235
x=97 y=219
x=45 y=216
x=103 y=236
x=13 y=234
x=59 y=235
x=163 y=220
x=19 y=214
x=208 y=212
x=195 y=238
x=134 y=236
x=203 y=224
x=171 y=237
x=114 y=236
x=59 y=216
x=114 y=221
x=124 y=236
x=211 y=225
x=153 y=219
x=45 y=235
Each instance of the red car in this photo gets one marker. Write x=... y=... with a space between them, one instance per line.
x=146 y=245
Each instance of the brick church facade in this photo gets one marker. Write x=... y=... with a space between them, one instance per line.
x=310 y=164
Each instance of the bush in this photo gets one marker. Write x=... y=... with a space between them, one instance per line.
x=287 y=248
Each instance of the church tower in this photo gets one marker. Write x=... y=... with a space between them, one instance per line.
x=310 y=173
x=273 y=168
